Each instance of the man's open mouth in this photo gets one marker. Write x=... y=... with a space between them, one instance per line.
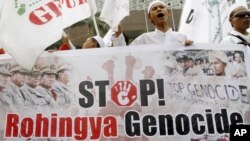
x=160 y=15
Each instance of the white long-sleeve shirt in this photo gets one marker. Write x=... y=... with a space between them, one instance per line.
x=159 y=37
x=234 y=40
x=155 y=37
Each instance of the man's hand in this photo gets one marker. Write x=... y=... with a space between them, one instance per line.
x=65 y=39
x=188 y=42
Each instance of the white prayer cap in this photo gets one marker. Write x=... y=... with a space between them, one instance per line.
x=234 y=6
x=217 y=54
x=100 y=41
x=154 y=2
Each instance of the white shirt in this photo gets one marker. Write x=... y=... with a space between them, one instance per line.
x=234 y=40
x=159 y=37
x=238 y=68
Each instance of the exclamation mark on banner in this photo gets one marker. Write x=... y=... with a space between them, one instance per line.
x=160 y=88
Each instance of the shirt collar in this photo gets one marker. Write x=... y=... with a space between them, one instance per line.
x=238 y=33
x=157 y=31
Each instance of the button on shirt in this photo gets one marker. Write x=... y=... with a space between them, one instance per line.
x=234 y=40
x=159 y=37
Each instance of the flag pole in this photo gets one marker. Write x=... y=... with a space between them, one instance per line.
x=94 y=19
x=95 y=24
x=172 y=15
x=145 y=14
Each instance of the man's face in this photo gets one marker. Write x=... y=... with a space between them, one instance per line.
x=19 y=78
x=64 y=76
x=184 y=64
x=48 y=80
x=33 y=80
x=237 y=57
x=3 y=80
x=191 y=63
x=241 y=19
x=89 y=43
x=219 y=67
x=159 y=14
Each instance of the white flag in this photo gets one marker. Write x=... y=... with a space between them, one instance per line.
x=93 y=6
x=28 y=27
x=203 y=20
x=195 y=21
x=114 y=11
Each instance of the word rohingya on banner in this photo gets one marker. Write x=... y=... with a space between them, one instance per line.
x=81 y=128
x=136 y=124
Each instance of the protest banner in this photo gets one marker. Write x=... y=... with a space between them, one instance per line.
x=151 y=92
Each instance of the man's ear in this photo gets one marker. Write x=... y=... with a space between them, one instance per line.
x=169 y=12
x=231 y=20
x=149 y=17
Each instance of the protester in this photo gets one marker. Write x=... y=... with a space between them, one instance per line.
x=159 y=15
x=92 y=42
x=240 y=21
x=65 y=43
x=2 y=51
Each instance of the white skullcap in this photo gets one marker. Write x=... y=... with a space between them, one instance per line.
x=100 y=41
x=234 y=6
x=154 y=2
x=216 y=54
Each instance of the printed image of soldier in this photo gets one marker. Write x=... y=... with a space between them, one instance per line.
x=33 y=97
x=48 y=79
x=4 y=77
x=17 y=80
x=61 y=86
x=183 y=61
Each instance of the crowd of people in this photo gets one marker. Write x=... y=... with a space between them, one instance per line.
x=47 y=86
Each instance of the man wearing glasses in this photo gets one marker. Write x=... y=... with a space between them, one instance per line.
x=240 y=21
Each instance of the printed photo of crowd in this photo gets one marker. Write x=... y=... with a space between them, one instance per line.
x=45 y=85
x=206 y=63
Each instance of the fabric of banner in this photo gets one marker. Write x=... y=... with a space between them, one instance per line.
x=152 y=92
